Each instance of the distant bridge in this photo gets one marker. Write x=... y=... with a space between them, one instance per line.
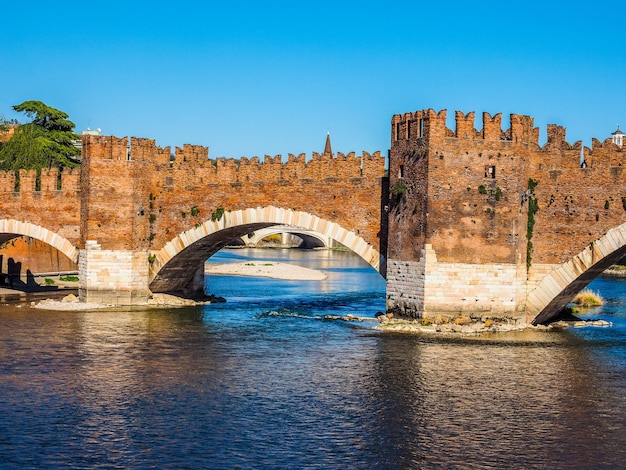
x=293 y=237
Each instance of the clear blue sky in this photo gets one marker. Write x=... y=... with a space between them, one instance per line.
x=254 y=78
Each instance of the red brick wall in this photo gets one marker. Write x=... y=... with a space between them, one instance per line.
x=345 y=189
x=469 y=217
x=132 y=197
x=576 y=205
x=55 y=209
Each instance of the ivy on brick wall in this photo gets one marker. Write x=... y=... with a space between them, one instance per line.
x=217 y=214
x=533 y=207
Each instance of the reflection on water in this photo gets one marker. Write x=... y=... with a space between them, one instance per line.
x=261 y=381
x=539 y=405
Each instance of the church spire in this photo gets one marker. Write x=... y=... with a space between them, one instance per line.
x=328 y=149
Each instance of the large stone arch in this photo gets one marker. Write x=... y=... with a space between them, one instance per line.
x=14 y=228
x=174 y=266
x=557 y=289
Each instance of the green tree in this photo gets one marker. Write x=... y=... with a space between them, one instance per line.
x=47 y=141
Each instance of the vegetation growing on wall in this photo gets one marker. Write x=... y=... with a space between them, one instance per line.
x=497 y=193
x=533 y=207
x=399 y=189
x=217 y=214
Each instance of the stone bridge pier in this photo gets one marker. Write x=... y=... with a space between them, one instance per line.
x=119 y=277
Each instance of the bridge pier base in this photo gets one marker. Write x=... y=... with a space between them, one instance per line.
x=426 y=288
x=117 y=277
x=195 y=290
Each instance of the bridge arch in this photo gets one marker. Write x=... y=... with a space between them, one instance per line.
x=14 y=228
x=557 y=289
x=174 y=266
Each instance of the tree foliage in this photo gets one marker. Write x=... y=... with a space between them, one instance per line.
x=47 y=141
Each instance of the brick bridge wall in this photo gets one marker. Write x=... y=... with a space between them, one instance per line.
x=459 y=210
x=50 y=200
x=45 y=209
x=119 y=180
x=132 y=200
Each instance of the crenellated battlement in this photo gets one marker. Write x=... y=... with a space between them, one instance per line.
x=133 y=183
x=431 y=126
x=194 y=158
x=42 y=182
x=558 y=153
x=427 y=129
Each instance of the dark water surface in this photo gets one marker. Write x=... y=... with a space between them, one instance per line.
x=263 y=381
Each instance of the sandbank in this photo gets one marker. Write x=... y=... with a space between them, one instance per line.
x=71 y=302
x=290 y=272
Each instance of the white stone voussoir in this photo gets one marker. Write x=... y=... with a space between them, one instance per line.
x=40 y=233
x=274 y=216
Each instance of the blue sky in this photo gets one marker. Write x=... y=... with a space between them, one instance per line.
x=255 y=78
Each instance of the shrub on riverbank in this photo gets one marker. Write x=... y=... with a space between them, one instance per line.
x=588 y=298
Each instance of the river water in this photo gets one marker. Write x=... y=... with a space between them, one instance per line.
x=262 y=381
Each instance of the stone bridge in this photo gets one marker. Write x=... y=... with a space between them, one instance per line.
x=137 y=221
x=485 y=223
x=291 y=237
